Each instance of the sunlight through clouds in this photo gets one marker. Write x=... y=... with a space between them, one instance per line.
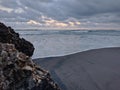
x=55 y=23
x=33 y=22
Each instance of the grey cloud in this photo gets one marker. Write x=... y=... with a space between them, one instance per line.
x=99 y=11
x=80 y=8
x=45 y=1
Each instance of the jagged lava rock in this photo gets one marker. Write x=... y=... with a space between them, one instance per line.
x=8 y=35
x=18 y=72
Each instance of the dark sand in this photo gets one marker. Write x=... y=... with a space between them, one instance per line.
x=89 y=70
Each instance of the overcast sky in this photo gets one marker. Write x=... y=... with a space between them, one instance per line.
x=61 y=14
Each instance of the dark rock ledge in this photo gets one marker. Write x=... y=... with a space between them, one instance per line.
x=17 y=70
x=8 y=35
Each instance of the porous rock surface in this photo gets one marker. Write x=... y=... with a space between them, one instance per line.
x=17 y=70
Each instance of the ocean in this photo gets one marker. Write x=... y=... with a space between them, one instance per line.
x=52 y=43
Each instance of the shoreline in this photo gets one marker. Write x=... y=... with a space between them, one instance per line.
x=87 y=70
x=76 y=53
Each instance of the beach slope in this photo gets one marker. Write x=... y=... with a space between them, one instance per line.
x=97 y=69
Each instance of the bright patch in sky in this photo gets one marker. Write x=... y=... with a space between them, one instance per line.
x=49 y=22
x=33 y=22
x=6 y=9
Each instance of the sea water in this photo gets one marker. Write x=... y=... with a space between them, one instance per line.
x=52 y=43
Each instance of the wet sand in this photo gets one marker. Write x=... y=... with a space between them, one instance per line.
x=97 y=69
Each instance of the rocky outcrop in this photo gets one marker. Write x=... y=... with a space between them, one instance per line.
x=17 y=70
x=8 y=35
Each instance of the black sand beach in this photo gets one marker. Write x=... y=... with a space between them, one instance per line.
x=89 y=70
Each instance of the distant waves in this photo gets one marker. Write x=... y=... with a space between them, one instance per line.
x=58 y=43
x=69 y=32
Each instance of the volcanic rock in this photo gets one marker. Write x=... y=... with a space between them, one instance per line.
x=18 y=72
x=8 y=35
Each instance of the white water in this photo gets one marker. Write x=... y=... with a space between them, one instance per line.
x=59 y=43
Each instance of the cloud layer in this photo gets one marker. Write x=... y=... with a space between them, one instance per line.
x=61 y=13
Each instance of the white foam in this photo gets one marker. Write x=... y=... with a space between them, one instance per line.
x=61 y=44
